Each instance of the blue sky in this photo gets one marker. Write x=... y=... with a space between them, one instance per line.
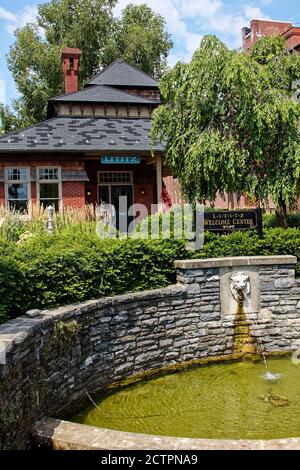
x=187 y=21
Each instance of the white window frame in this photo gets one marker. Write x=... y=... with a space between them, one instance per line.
x=110 y=184
x=41 y=181
x=27 y=181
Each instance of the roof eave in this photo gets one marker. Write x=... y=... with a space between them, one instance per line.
x=82 y=151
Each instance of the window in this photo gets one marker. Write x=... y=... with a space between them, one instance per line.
x=17 y=188
x=49 y=186
x=115 y=177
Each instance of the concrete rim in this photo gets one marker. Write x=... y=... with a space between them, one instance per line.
x=65 y=435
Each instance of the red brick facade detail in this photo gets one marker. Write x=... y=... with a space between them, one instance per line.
x=260 y=28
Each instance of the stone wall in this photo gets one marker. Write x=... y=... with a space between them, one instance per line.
x=47 y=363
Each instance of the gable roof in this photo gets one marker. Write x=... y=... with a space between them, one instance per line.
x=120 y=73
x=102 y=94
x=79 y=134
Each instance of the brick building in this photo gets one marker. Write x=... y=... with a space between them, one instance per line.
x=94 y=146
x=261 y=28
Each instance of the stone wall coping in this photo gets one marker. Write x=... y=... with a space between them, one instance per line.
x=20 y=327
x=236 y=261
x=64 y=435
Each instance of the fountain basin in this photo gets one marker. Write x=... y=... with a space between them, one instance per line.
x=49 y=361
x=219 y=401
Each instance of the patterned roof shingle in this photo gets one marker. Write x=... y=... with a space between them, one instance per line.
x=119 y=73
x=79 y=134
x=102 y=94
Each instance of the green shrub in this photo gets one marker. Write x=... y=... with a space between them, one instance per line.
x=270 y=220
x=54 y=270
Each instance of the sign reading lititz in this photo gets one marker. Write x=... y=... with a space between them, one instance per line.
x=230 y=221
x=127 y=160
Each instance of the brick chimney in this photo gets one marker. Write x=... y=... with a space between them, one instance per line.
x=70 y=58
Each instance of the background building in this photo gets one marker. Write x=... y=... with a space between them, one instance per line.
x=94 y=147
x=261 y=28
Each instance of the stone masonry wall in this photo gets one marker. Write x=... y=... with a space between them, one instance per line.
x=47 y=363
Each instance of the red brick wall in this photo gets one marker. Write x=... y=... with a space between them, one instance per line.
x=73 y=194
x=261 y=28
x=292 y=37
x=143 y=194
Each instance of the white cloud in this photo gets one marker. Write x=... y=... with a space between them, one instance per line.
x=189 y=20
x=192 y=8
x=2 y=92
x=253 y=12
x=6 y=15
x=14 y=20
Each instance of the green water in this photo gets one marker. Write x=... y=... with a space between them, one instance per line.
x=223 y=401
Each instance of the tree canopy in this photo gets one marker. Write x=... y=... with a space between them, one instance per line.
x=230 y=122
x=138 y=36
x=140 y=39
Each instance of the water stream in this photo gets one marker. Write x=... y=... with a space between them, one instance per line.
x=245 y=342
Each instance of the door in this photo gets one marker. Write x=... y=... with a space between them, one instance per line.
x=122 y=206
x=110 y=194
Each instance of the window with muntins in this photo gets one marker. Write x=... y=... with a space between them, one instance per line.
x=49 y=186
x=17 y=188
x=115 y=177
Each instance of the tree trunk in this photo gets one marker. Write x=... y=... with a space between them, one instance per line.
x=231 y=201
x=281 y=214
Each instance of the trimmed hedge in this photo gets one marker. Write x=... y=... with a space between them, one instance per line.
x=270 y=220
x=51 y=271
x=276 y=241
x=47 y=271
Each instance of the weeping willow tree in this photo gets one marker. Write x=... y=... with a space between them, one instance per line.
x=230 y=123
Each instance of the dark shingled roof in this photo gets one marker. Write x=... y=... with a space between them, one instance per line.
x=102 y=94
x=78 y=134
x=119 y=73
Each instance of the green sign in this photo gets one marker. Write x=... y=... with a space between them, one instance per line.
x=128 y=160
